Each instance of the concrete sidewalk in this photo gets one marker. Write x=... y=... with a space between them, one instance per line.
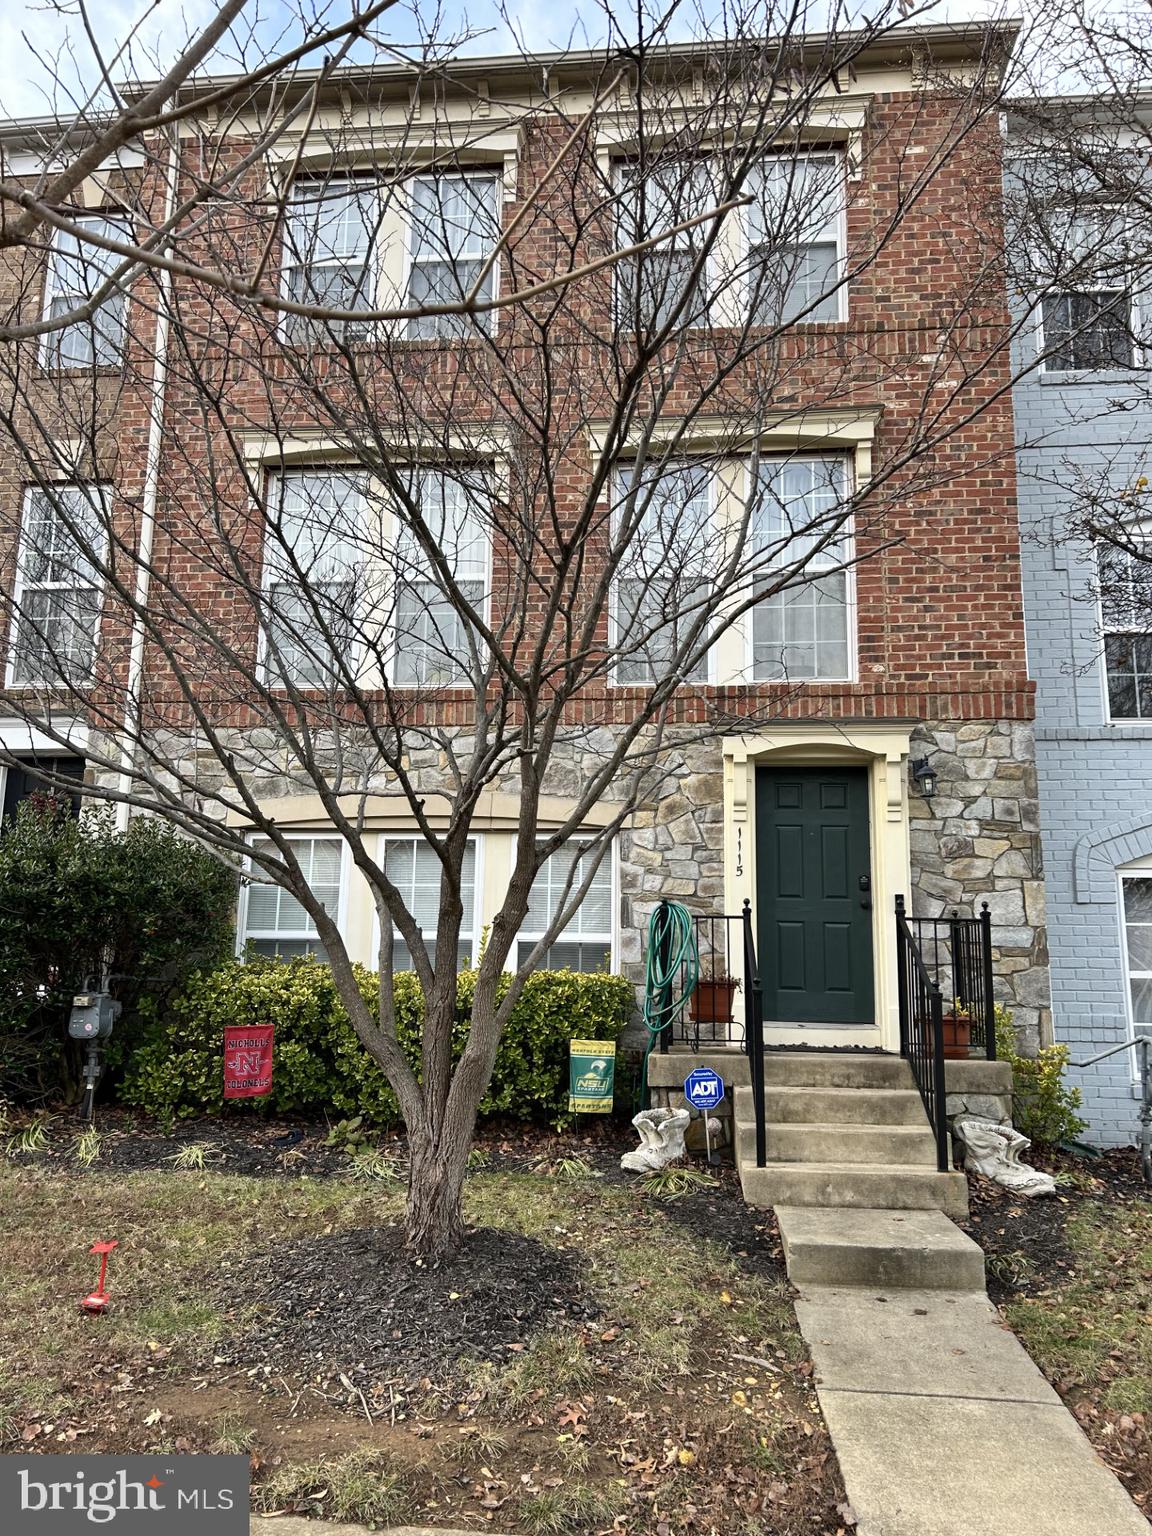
x=943 y=1425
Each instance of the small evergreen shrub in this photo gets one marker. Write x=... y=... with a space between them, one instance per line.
x=320 y=1066
x=1043 y=1105
x=80 y=900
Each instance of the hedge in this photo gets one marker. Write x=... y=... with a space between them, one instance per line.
x=321 y=1068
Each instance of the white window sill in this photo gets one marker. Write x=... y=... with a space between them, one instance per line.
x=1063 y=377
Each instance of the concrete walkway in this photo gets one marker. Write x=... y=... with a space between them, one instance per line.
x=943 y=1425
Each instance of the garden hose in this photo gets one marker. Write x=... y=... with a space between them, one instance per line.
x=672 y=952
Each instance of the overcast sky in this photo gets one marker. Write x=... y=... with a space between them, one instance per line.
x=46 y=58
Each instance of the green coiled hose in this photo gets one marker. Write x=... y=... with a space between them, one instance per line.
x=673 y=955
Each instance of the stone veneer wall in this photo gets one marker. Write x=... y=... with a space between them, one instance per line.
x=675 y=849
x=978 y=840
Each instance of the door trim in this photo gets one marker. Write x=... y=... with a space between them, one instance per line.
x=883 y=749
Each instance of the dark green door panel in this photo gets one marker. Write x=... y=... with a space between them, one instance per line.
x=813 y=896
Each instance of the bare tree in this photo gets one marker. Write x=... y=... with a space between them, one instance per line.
x=388 y=534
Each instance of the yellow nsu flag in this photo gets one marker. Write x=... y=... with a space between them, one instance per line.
x=591 y=1076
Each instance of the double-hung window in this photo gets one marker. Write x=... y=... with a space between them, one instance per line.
x=77 y=270
x=274 y=922
x=434 y=642
x=455 y=224
x=413 y=868
x=1126 y=616
x=795 y=238
x=58 y=587
x=329 y=239
x=585 y=944
x=652 y=285
x=1137 y=891
x=1089 y=313
x=662 y=585
x=314 y=577
x=801 y=543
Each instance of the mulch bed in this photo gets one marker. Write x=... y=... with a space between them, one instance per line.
x=1023 y=1240
x=261 y=1146
x=356 y=1302
x=720 y=1214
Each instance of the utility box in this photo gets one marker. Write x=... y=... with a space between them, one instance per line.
x=93 y=1015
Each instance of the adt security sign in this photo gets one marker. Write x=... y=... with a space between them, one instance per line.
x=703 y=1088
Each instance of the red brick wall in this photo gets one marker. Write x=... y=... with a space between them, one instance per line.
x=939 y=611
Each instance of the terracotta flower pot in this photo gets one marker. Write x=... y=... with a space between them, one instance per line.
x=711 y=1001
x=957 y=1035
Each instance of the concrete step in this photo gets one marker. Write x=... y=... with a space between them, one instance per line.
x=668 y=1070
x=856 y=1186
x=906 y=1145
x=836 y=1106
x=919 y=1250
x=835 y=1069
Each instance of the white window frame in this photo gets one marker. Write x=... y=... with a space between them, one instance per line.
x=392 y=635
x=611 y=861
x=270 y=579
x=328 y=184
x=686 y=239
x=847 y=535
x=491 y=317
x=727 y=291
x=837 y=156
x=709 y=677
x=1140 y=722
x=99 y=489
x=477 y=841
x=244 y=936
x=385 y=589
x=1140 y=869
x=1048 y=365
x=50 y=360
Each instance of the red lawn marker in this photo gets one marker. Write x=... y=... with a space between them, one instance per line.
x=98 y=1300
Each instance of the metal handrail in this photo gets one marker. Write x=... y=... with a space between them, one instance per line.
x=1142 y=1044
x=754 y=1034
x=922 y=1031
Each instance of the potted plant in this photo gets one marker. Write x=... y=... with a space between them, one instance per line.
x=957 y=1031
x=711 y=1001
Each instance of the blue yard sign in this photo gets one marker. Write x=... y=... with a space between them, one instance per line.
x=703 y=1088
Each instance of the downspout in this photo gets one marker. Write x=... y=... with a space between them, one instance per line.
x=135 y=681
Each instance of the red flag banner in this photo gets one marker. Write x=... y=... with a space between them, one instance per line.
x=247 y=1060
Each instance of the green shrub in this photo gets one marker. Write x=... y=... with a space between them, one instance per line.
x=81 y=901
x=320 y=1067
x=1043 y=1106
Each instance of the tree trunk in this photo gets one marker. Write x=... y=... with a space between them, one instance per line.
x=433 y=1218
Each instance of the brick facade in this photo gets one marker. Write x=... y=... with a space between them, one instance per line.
x=940 y=637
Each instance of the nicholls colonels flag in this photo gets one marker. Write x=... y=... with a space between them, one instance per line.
x=247 y=1060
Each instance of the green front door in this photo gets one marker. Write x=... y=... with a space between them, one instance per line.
x=814 y=899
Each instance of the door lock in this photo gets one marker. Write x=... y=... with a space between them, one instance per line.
x=865 y=883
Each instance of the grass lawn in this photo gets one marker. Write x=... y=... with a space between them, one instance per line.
x=669 y=1392
x=1074 y=1279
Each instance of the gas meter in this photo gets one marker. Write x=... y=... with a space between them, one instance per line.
x=92 y=1017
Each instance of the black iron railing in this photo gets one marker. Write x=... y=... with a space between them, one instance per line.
x=715 y=1011
x=726 y=1004
x=754 y=1033
x=922 y=1030
x=957 y=953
